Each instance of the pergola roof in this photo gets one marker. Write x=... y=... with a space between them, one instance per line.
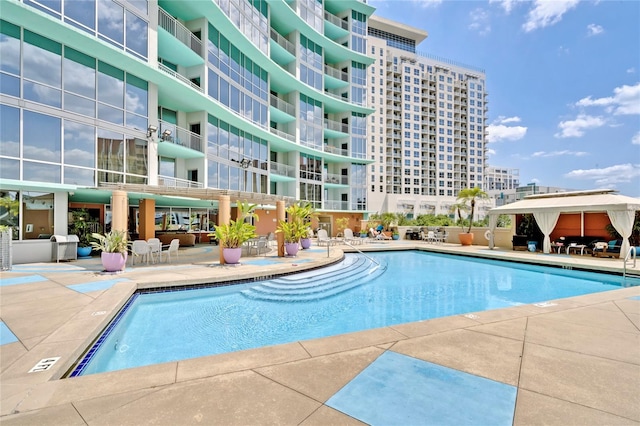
x=571 y=202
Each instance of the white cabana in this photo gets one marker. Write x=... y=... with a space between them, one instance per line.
x=546 y=209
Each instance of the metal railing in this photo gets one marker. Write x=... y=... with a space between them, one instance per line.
x=336 y=21
x=282 y=134
x=282 y=169
x=336 y=126
x=631 y=254
x=282 y=105
x=336 y=73
x=179 y=31
x=335 y=150
x=174 y=182
x=180 y=77
x=336 y=178
x=168 y=132
x=283 y=42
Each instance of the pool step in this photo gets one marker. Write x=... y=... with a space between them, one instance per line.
x=350 y=273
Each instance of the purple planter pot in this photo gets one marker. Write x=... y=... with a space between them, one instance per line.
x=232 y=255
x=305 y=243
x=113 y=262
x=291 y=248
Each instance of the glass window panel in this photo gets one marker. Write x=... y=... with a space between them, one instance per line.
x=79 y=144
x=137 y=122
x=82 y=11
x=79 y=77
x=110 y=177
x=79 y=105
x=37 y=211
x=112 y=115
x=110 y=151
x=9 y=131
x=110 y=87
x=41 y=172
x=224 y=176
x=167 y=167
x=137 y=154
x=9 y=48
x=42 y=94
x=136 y=34
x=136 y=98
x=111 y=20
x=10 y=210
x=142 y=180
x=9 y=169
x=213 y=174
x=9 y=85
x=41 y=138
x=141 y=5
x=77 y=176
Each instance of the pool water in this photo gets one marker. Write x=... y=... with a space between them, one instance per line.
x=169 y=326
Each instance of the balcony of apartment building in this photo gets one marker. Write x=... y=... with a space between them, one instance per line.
x=176 y=43
x=335 y=78
x=282 y=130
x=177 y=142
x=335 y=180
x=335 y=28
x=280 y=110
x=330 y=204
x=282 y=51
x=280 y=172
x=336 y=129
x=174 y=182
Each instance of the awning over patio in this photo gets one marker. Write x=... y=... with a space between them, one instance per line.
x=546 y=209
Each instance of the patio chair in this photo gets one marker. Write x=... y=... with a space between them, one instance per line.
x=140 y=250
x=173 y=248
x=261 y=245
x=156 y=247
x=323 y=238
x=349 y=237
x=378 y=236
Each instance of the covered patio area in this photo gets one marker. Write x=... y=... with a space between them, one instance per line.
x=547 y=208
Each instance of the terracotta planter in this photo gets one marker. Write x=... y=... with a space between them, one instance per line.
x=291 y=248
x=305 y=243
x=466 y=239
x=113 y=262
x=232 y=255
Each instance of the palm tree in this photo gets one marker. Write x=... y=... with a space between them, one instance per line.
x=468 y=196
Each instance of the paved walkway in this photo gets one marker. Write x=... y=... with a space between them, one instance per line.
x=567 y=361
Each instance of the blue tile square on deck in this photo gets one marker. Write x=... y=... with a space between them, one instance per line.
x=399 y=390
x=6 y=335
x=95 y=286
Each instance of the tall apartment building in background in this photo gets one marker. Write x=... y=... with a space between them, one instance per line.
x=501 y=184
x=427 y=132
x=265 y=98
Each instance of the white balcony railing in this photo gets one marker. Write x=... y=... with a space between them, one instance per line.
x=179 y=31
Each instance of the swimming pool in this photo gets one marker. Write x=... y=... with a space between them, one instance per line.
x=157 y=327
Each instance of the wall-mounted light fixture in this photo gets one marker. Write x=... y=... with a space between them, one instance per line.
x=245 y=163
x=151 y=130
x=166 y=134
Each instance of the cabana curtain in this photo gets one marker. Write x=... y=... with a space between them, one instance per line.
x=546 y=222
x=622 y=220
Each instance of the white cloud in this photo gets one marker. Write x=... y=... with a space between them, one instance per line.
x=635 y=140
x=545 y=13
x=593 y=29
x=506 y=5
x=480 y=21
x=625 y=101
x=427 y=3
x=497 y=133
x=559 y=153
x=631 y=70
x=505 y=120
x=608 y=176
x=575 y=128
x=491 y=151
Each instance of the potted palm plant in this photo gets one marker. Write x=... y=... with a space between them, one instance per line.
x=80 y=227
x=114 y=247
x=466 y=201
x=232 y=235
x=295 y=229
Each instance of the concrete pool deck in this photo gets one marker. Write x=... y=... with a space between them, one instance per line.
x=565 y=361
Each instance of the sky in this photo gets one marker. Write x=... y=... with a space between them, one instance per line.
x=562 y=77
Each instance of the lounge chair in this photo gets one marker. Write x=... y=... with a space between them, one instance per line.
x=610 y=249
x=378 y=236
x=323 y=238
x=349 y=238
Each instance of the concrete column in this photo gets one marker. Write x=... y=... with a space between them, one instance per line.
x=147 y=225
x=119 y=211
x=280 y=215
x=224 y=216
